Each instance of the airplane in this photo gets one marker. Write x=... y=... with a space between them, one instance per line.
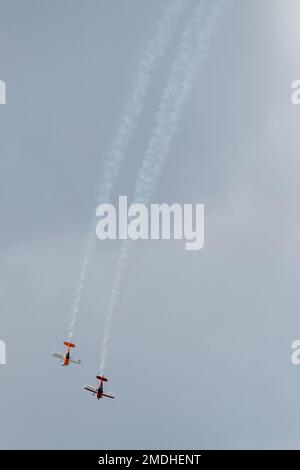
x=99 y=390
x=66 y=358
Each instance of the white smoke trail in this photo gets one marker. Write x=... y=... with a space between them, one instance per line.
x=128 y=123
x=192 y=54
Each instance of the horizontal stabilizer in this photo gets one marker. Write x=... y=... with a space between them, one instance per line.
x=70 y=345
x=102 y=378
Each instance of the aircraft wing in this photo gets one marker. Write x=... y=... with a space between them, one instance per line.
x=110 y=395
x=75 y=361
x=90 y=389
x=58 y=355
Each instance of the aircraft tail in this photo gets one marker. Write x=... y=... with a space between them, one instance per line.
x=70 y=345
x=102 y=378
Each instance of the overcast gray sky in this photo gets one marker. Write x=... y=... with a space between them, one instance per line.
x=201 y=348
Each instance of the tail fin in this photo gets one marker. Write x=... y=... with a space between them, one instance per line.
x=70 y=345
x=102 y=378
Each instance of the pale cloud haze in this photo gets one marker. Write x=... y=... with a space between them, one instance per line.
x=201 y=348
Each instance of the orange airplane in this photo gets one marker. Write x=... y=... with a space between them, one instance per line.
x=66 y=358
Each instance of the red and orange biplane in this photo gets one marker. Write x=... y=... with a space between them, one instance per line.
x=98 y=391
x=66 y=358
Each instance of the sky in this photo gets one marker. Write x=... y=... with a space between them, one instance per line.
x=201 y=352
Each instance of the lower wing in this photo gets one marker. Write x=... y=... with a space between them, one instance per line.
x=108 y=395
x=58 y=356
x=90 y=389
x=75 y=361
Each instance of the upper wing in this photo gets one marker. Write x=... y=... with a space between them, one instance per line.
x=90 y=389
x=58 y=355
x=110 y=395
x=75 y=361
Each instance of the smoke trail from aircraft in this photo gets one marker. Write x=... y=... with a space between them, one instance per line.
x=128 y=124
x=192 y=55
